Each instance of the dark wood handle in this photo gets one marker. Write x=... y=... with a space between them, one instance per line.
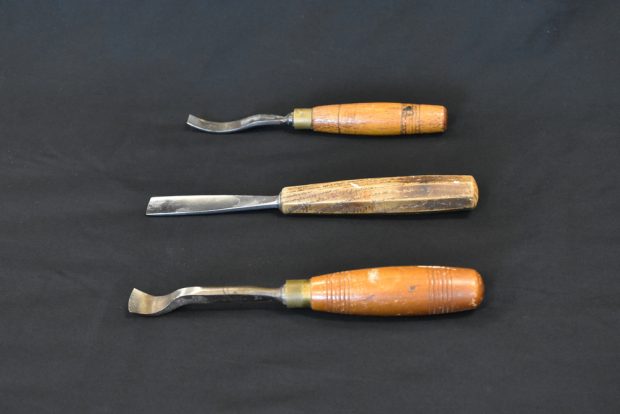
x=374 y=118
x=396 y=291
x=393 y=195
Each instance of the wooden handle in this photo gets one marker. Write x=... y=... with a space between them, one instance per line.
x=395 y=291
x=376 y=118
x=393 y=195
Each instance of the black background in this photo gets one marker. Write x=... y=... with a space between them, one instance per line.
x=93 y=99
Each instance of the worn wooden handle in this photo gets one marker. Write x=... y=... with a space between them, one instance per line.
x=395 y=291
x=393 y=195
x=375 y=118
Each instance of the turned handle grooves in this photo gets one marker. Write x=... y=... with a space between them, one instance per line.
x=338 y=293
x=440 y=293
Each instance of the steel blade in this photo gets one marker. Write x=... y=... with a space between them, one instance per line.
x=238 y=125
x=144 y=304
x=208 y=204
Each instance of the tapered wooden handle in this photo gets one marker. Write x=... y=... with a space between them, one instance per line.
x=393 y=195
x=374 y=118
x=395 y=291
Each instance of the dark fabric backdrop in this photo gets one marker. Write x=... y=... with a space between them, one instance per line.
x=94 y=97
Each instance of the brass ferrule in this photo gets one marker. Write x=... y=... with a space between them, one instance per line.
x=296 y=293
x=302 y=118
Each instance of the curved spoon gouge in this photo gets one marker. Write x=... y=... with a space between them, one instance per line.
x=392 y=195
x=373 y=118
x=382 y=291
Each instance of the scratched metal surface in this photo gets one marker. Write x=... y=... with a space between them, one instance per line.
x=94 y=97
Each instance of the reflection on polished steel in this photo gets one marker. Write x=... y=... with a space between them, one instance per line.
x=145 y=304
x=239 y=125
x=208 y=204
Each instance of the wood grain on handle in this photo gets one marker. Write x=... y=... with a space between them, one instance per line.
x=379 y=118
x=392 y=195
x=395 y=291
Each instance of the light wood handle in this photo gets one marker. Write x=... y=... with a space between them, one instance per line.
x=393 y=195
x=395 y=291
x=374 y=118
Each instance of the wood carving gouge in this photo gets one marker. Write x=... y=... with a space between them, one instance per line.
x=382 y=291
x=373 y=118
x=392 y=195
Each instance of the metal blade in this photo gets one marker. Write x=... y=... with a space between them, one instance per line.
x=238 y=125
x=144 y=304
x=208 y=204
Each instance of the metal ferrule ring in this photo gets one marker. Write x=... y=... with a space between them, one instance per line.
x=302 y=118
